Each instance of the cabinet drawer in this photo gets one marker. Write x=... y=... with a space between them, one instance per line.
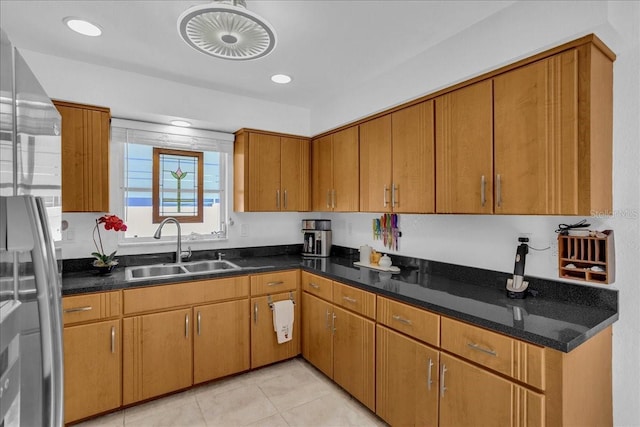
x=509 y=356
x=415 y=322
x=90 y=307
x=271 y=283
x=354 y=299
x=316 y=285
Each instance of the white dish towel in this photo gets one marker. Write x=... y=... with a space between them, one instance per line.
x=283 y=320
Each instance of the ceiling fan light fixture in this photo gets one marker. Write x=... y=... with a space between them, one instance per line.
x=226 y=29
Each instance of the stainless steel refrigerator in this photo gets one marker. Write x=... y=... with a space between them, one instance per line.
x=31 y=368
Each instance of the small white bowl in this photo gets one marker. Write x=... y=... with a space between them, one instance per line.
x=582 y=233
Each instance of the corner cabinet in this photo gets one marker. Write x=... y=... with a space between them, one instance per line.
x=85 y=157
x=335 y=184
x=271 y=172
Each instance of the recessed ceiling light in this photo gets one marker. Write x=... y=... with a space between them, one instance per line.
x=181 y=123
x=82 y=26
x=280 y=78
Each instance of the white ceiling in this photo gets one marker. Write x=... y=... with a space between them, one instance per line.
x=325 y=45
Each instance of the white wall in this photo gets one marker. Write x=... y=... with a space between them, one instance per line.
x=518 y=31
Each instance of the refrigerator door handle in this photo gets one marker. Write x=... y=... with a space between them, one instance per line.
x=48 y=286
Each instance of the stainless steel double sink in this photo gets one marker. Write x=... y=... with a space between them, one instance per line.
x=163 y=271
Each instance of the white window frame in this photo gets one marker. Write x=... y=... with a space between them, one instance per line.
x=196 y=139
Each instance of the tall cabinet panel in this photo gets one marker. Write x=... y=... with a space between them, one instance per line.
x=264 y=172
x=375 y=165
x=464 y=150
x=536 y=137
x=294 y=181
x=85 y=157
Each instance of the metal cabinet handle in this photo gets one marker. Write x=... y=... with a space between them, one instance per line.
x=333 y=198
x=186 y=325
x=278 y=199
x=314 y=286
x=477 y=347
x=443 y=370
x=394 y=190
x=349 y=299
x=113 y=339
x=328 y=196
x=279 y=282
x=255 y=312
x=77 y=309
x=429 y=379
x=499 y=190
x=333 y=324
x=384 y=196
x=483 y=189
x=327 y=321
x=401 y=319
x=199 y=321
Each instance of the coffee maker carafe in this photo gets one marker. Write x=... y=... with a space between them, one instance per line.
x=316 y=237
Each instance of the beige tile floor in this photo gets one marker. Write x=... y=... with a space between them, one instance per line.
x=290 y=393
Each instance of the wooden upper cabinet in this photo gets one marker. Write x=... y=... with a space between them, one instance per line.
x=553 y=135
x=375 y=165
x=464 y=150
x=397 y=161
x=271 y=172
x=335 y=184
x=85 y=157
x=412 y=137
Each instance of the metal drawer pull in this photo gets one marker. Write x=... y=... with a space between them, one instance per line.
x=499 y=190
x=280 y=282
x=349 y=299
x=475 y=346
x=199 y=320
x=285 y=199
x=314 y=286
x=186 y=325
x=333 y=198
x=113 y=339
x=384 y=196
x=394 y=188
x=78 y=309
x=442 y=386
x=483 y=187
x=401 y=319
x=429 y=379
x=333 y=324
x=327 y=321
x=278 y=199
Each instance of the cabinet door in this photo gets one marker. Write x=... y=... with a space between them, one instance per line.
x=157 y=356
x=264 y=344
x=294 y=174
x=375 y=165
x=536 y=146
x=413 y=187
x=471 y=396
x=264 y=172
x=464 y=150
x=322 y=174
x=317 y=335
x=406 y=380
x=220 y=340
x=85 y=158
x=92 y=369
x=354 y=355
x=346 y=164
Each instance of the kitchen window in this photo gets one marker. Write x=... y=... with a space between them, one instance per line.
x=199 y=159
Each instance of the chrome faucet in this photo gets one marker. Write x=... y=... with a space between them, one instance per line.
x=179 y=253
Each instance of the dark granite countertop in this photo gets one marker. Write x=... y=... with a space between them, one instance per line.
x=558 y=315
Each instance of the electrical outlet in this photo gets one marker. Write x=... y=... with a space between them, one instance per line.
x=244 y=230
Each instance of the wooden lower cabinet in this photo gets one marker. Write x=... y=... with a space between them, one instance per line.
x=317 y=333
x=93 y=369
x=221 y=340
x=342 y=345
x=407 y=384
x=157 y=355
x=264 y=344
x=471 y=396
